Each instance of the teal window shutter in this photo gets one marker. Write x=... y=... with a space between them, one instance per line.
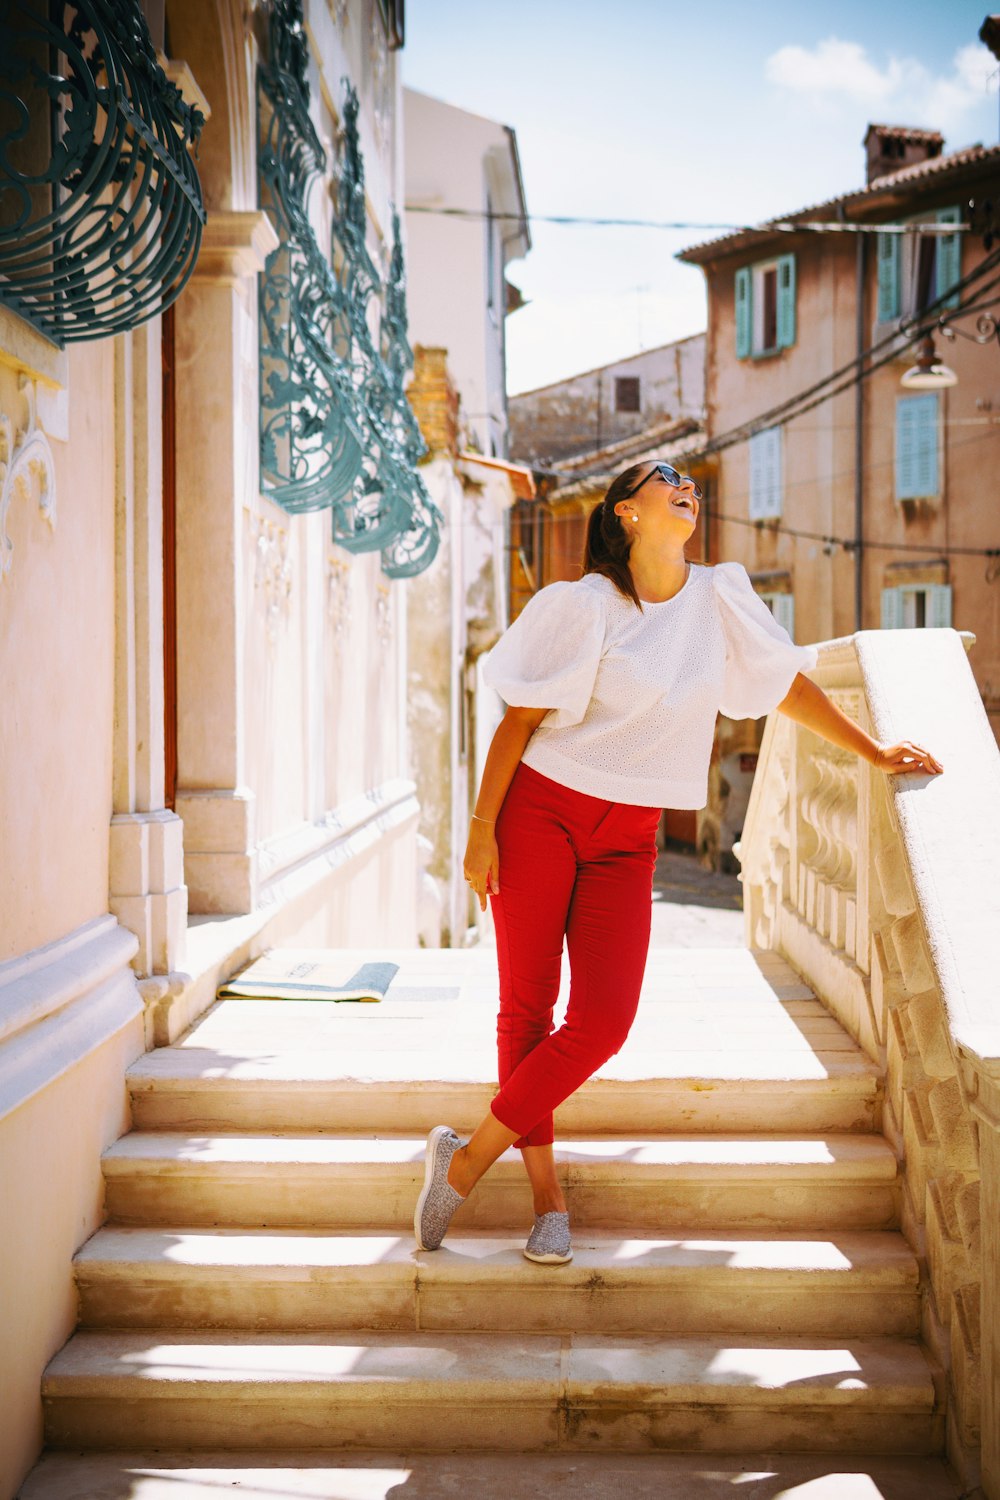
x=892 y=609
x=948 y=260
x=744 y=313
x=889 y=258
x=786 y=301
x=939 y=604
x=917 y=466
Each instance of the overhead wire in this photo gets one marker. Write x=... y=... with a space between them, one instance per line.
x=768 y=226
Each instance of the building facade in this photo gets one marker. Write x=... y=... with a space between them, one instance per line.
x=209 y=505
x=858 y=503
x=459 y=299
x=610 y=404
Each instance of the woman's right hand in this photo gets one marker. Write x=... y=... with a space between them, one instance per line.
x=482 y=861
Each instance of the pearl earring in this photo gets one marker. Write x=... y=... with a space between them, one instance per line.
x=635 y=518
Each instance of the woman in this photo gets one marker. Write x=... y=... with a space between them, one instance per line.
x=613 y=685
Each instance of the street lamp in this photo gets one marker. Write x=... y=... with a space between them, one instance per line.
x=928 y=374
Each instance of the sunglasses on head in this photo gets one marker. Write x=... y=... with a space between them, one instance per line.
x=670 y=474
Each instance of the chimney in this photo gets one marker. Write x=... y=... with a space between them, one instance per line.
x=889 y=148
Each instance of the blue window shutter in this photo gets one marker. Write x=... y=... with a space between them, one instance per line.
x=744 y=313
x=783 y=609
x=938 y=604
x=765 y=474
x=889 y=256
x=786 y=301
x=917 y=467
x=892 y=609
x=948 y=260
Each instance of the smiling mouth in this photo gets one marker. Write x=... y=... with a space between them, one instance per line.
x=684 y=503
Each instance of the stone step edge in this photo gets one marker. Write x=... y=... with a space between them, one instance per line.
x=871 y=1160
x=107 y=1257
x=904 y=1383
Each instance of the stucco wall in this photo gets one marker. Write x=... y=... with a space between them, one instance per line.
x=57 y=670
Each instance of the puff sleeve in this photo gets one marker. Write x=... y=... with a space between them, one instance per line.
x=762 y=660
x=549 y=656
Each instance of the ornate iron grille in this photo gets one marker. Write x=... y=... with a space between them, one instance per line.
x=336 y=429
x=100 y=204
x=310 y=442
x=390 y=509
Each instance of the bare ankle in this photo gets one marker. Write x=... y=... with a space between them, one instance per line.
x=550 y=1203
x=457 y=1177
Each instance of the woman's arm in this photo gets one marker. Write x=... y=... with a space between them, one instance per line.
x=808 y=705
x=482 y=859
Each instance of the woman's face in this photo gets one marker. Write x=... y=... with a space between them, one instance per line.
x=662 y=507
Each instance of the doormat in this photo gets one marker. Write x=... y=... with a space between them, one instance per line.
x=286 y=976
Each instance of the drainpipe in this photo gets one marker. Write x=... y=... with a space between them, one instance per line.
x=859 y=434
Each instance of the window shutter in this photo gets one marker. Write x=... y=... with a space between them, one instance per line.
x=783 y=609
x=744 y=313
x=939 y=604
x=892 y=609
x=765 y=474
x=917 y=468
x=890 y=248
x=786 y=301
x=948 y=260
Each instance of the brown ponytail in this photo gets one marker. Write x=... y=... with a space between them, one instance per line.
x=607 y=546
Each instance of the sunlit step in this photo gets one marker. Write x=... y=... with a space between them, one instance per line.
x=851 y=1284
x=447 y=1391
x=325 y=1181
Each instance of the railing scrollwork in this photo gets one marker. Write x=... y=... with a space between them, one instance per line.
x=337 y=431
x=101 y=210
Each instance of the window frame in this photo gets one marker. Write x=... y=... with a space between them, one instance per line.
x=749 y=306
x=633 y=382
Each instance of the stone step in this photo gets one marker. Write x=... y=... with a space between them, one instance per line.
x=487 y=1476
x=372 y=1182
x=448 y=1391
x=847 y=1285
x=198 y=1089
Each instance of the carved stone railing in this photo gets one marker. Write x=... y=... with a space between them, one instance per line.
x=884 y=893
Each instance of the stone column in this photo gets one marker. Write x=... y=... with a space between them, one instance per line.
x=146 y=873
x=217 y=428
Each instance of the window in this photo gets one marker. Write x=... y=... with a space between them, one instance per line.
x=918 y=470
x=765 y=307
x=765 y=475
x=782 y=607
x=627 y=393
x=913 y=606
x=914 y=271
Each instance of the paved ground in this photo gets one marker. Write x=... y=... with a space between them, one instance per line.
x=694 y=908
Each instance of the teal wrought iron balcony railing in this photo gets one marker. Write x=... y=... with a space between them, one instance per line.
x=337 y=431
x=101 y=209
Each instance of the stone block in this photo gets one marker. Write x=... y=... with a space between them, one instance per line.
x=128 y=873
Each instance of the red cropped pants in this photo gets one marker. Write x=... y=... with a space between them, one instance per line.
x=575 y=867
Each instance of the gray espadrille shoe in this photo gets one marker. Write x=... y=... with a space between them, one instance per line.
x=548 y=1242
x=438 y=1199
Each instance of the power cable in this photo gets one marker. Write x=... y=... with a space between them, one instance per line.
x=771 y=226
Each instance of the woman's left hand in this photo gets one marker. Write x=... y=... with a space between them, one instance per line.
x=906 y=756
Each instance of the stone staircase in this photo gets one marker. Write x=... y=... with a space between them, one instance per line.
x=738 y=1285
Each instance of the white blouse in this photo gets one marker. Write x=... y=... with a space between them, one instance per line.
x=634 y=696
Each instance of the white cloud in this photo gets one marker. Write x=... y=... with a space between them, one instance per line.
x=904 y=91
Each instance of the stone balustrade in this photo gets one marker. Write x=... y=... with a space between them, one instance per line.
x=883 y=892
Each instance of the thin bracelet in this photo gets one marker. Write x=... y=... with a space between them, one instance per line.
x=477 y=819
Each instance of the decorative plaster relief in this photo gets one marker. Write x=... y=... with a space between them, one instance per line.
x=383 y=614
x=26 y=467
x=338 y=595
x=272 y=570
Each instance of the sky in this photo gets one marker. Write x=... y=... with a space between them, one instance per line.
x=719 y=112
